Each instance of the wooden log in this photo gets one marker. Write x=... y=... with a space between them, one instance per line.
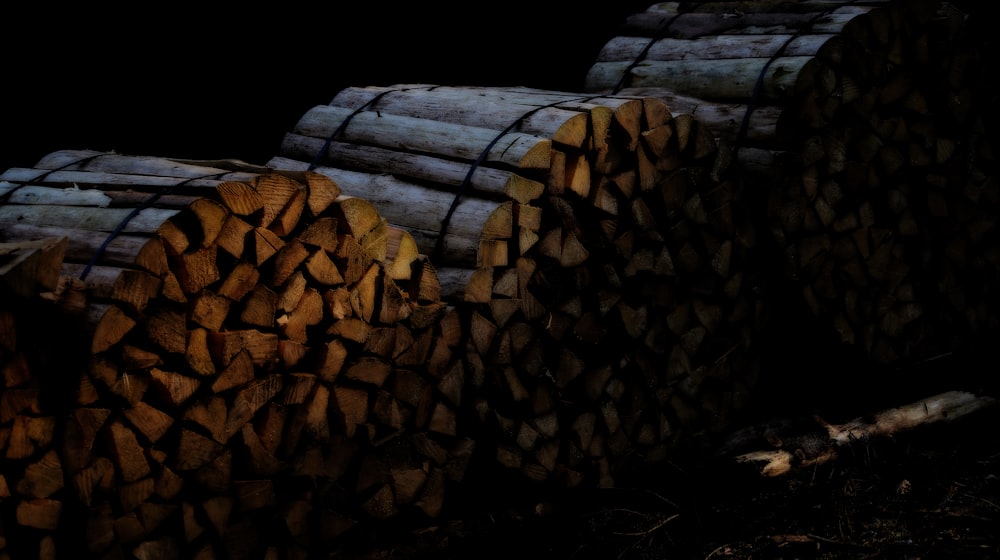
x=96 y=219
x=518 y=150
x=559 y=116
x=734 y=78
x=870 y=210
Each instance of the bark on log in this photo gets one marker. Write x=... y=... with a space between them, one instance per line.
x=864 y=124
x=613 y=318
x=257 y=344
x=790 y=450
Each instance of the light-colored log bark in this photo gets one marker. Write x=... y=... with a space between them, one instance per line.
x=523 y=151
x=734 y=79
x=561 y=116
x=110 y=162
x=712 y=47
x=374 y=159
x=92 y=219
x=112 y=183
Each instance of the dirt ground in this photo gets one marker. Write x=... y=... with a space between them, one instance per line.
x=925 y=493
x=929 y=493
x=933 y=493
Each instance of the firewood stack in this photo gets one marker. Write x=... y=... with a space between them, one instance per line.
x=864 y=125
x=212 y=359
x=603 y=258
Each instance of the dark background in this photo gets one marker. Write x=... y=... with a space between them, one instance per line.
x=194 y=84
x=207 y=84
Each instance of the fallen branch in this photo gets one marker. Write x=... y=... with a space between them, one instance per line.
x=818 y=447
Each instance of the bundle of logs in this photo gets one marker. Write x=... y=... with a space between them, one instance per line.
x=212 y=361
x=864 y=126
x=606 y=255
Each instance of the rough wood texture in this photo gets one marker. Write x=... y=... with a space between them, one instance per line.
x=865 y=124
x=612 y=318
x=257 y=369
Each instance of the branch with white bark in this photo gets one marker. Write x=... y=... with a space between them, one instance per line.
x=818 y=447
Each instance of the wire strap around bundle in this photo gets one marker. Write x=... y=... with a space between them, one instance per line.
x=622 y=81
x=439 y=244
x=135 y=212
x=7 y=195
x=759 y=84
x=340 y=129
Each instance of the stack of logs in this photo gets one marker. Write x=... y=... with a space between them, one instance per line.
x=605 y=251
x=214 y=361
x=865 y=125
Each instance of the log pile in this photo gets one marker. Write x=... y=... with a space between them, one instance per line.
x=864 y=125
x=603 y=257
x=212 y=360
